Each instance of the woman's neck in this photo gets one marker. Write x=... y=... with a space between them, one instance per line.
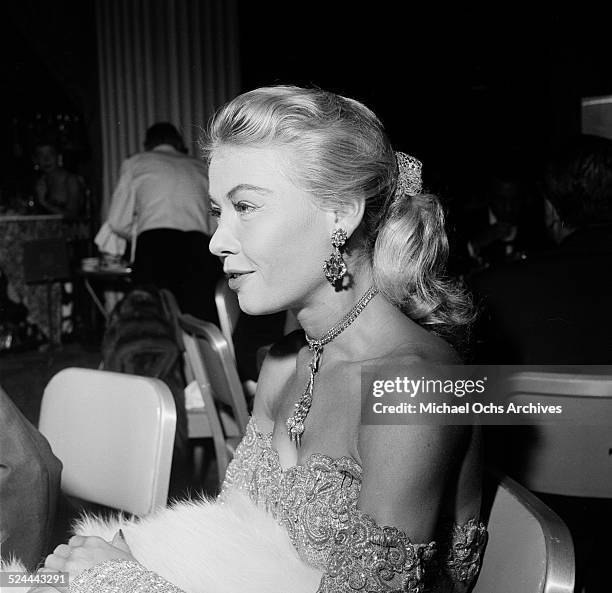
x=328 y=306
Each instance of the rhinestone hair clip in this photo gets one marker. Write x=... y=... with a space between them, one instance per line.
x=409 y=182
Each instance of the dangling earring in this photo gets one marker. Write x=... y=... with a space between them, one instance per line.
x=335 y=266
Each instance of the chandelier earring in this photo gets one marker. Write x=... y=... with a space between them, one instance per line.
x=335 y=266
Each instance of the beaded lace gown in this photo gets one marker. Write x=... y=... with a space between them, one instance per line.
x=317 y=504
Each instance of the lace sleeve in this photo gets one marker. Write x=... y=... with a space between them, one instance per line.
x=370 y=558
x=113 y=576
x=462 y=556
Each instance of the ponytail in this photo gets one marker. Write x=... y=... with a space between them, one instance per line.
x=409 y=259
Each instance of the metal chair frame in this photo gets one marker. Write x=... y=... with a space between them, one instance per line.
x=209 y=361
x=530 y=549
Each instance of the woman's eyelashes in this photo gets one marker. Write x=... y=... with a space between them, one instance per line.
x=240 y=207
x=244 y=207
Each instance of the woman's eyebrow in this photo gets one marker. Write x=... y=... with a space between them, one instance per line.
x=247 y=187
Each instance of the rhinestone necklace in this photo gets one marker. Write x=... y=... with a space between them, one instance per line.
x=295 y=422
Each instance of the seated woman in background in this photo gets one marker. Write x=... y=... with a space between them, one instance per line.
x=294 y=174
x=57 y=190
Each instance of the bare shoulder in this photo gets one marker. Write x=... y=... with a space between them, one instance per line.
x=400 y=370
x=408 y=471
x=277 y=370
x=399 y=373
x=409 y=468
x=429 y=349
x=410 y=357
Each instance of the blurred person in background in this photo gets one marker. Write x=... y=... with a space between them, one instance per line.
x=161 y=204
x=502 y=219
x=57 y=190
x=552 y=309
x=544 y=310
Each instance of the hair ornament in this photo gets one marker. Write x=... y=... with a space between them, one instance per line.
x=409 y=182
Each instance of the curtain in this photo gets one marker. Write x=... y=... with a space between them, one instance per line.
x=161 y=60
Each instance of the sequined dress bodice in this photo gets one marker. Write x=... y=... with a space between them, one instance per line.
x=316 y=503
x=311 y=501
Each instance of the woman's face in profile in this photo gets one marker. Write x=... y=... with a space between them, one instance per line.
x=271 y=236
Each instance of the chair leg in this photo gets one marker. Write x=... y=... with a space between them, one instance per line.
x=198 y=462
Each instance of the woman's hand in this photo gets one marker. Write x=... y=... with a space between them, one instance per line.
x=83 y=552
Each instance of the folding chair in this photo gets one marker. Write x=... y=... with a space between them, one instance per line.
x=571 y=455
x=214 y=368
x=45 y=261
x=228 y=311
x=114 y=434
x=172 y=312
x=530 y=549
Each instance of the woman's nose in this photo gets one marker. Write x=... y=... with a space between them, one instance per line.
x=223 y=242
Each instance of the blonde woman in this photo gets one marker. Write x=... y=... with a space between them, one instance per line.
x=317 y=214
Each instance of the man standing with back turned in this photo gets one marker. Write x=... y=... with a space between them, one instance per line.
x=161 y=203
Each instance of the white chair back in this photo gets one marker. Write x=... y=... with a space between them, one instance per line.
x=571 y=455
x=114 y=434
x=530 y=549
x=228 y=310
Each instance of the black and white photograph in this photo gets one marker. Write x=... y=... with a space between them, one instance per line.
x=305 y=297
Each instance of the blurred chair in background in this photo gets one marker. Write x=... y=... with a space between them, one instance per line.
x=45 y=261
x=225 y=414
x=141 y=339
x=249 y=336
x=228 y=310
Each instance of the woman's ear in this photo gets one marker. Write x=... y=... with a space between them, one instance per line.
x=350 y=216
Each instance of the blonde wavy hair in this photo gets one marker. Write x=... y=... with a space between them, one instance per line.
x=337 y=150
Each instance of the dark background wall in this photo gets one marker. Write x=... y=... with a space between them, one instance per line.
x=48 y=70
x=456 y=88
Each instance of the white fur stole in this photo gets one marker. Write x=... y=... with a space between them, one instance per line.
x=206 y=545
